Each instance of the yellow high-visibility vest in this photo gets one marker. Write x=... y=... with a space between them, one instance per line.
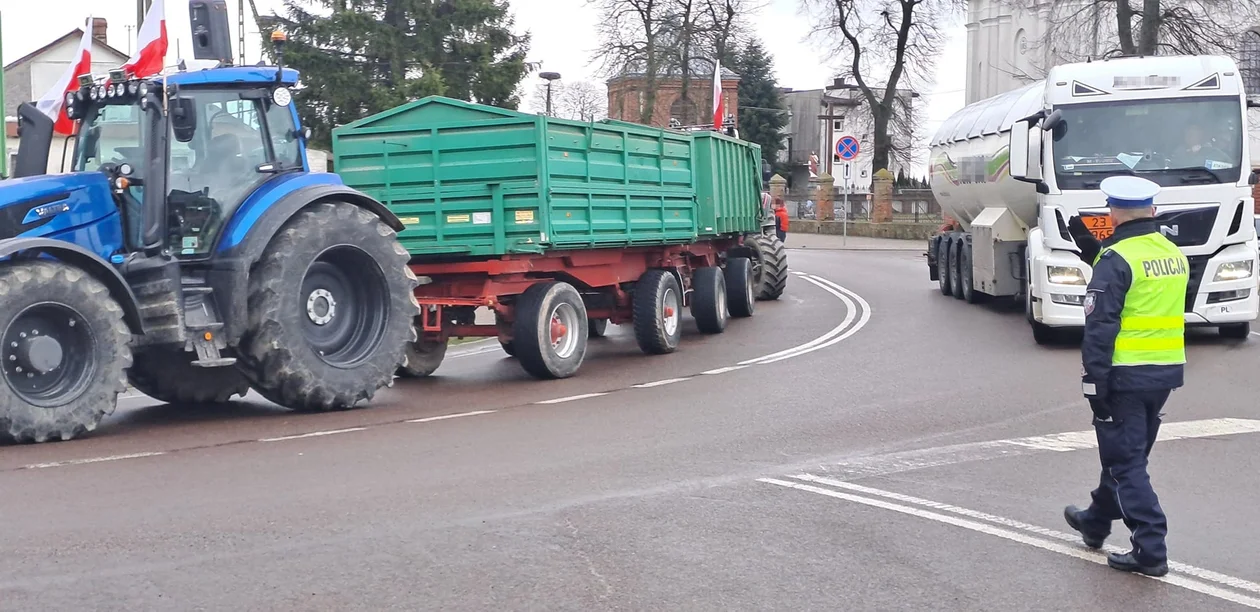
x=1152 y=323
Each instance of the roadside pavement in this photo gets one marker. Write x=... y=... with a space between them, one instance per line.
x=827 y=242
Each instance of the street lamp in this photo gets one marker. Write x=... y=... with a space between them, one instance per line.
x=550 y=77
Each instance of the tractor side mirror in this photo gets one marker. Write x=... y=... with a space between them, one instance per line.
x=183 y=118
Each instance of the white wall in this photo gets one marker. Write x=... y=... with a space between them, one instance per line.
x=49 y=65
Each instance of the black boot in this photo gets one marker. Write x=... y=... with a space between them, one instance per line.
x=1072 y=515
x=1126 y=562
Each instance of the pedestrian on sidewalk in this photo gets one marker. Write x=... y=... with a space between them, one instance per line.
x=1133 y=356
x=780 y=219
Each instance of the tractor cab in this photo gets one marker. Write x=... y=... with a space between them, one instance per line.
x=183 y=151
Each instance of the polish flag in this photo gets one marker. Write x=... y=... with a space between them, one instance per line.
x=150 y=43
x=53 y=103
x=719 y=109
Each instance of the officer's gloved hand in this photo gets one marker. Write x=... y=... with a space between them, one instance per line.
x=1099 y=406
x=1084 y=239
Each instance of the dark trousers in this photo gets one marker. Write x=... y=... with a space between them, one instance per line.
x=781 y=234
x=1124 y=492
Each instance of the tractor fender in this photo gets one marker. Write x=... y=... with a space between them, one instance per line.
x=230 y=267
x=261 y=231
x=19 y=248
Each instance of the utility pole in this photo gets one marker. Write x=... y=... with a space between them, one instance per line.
x=550 y=77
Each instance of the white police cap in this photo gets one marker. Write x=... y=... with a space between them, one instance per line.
x=1129 y=191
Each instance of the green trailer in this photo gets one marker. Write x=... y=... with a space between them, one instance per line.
x=562 y=226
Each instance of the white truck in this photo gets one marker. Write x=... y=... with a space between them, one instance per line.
x=1013 y=169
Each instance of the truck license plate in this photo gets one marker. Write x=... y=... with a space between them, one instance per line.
x=1099 y=225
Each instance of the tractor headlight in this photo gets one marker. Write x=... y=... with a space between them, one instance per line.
x=1064 y=275
x=133 y=87
x=118 y=89
x=1233 y=270
x=94 y=93
x=144 y=89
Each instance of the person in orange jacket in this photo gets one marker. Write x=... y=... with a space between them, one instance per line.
x=780 y=219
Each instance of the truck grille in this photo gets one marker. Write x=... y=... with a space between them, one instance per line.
x=1198 y=265
x=1187 y=227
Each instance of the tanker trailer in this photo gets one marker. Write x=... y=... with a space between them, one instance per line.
x=1012 y=170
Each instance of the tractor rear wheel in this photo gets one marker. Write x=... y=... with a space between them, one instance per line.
x=64 y=351
x=330 y=310
x=770 y=267
x=169 y=376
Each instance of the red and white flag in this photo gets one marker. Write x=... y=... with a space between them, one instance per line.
x=53 y=103
x=150 y=43
x=719 y=109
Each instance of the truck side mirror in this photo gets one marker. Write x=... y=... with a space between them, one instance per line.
x=36 y=131
x=1025 y=152
x=1052 y=121
x=183 y=118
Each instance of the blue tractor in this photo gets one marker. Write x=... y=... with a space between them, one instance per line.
x=191 y=253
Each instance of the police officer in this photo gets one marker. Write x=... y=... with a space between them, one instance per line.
x=1133 y=356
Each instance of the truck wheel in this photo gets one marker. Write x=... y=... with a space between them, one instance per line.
x=65 y=351
x=423 y=358
x=657 y=312
x=550 y=330
x=598 y=328
x=741 y=300
x=943 y=247
x=955 y=269
x=770 y=267
x=1044 y=334
x=170 y=376
x=708 y=300
x=509 y=348
x=330 y=310
x=1237 y=331
x=967 y=276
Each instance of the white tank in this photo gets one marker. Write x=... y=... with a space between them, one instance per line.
x=970 y=168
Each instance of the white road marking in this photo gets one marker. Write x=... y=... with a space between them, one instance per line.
x=452 y=416
x=571 y=398
x=723 y=370
x=849 y=315
x=905 y=461
x=1016 y=536
x=1197 y=572
x=40 y=466
x=865 y=318
x=661 y=383
x=314 y=434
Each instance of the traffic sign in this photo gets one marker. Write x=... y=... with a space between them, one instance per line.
x=848 y=148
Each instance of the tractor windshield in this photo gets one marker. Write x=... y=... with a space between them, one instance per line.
x=111 y=134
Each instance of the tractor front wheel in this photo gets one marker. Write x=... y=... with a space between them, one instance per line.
x=65 y=351
x=330 y=310
x=170 y=376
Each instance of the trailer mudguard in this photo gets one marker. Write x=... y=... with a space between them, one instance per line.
x=257 y=221
x=17 y=248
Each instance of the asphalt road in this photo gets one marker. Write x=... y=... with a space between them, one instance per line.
x=882 y=447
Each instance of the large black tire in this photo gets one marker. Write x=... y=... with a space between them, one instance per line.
x=657 y=312
x=169 y=376
x=423 y=359
x=509 y=348
x=708 y=300
x=1236 y=331
x=740 y=293
x=330 y=310
x=770 y=268
x=955 y=268
x=943 y=247
x=550 y=330
x=966 y=267
x=73 y=369
x=598 y=328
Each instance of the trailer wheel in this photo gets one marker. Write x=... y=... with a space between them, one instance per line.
x=770 y=268
x=509 y=348
x=550 y=330
x=331 y=310
x=657 y=312
x=967 y=276
x=598 y=328
x=1237 y=331
x=169 y=376
x=955 y=269
x=741 y=299
x=423 y=358
x=943 y=247
x=708 y=300
x=65 y=351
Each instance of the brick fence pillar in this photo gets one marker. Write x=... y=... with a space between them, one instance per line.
x=883 y=212
x=778 y=187
x=823 y=189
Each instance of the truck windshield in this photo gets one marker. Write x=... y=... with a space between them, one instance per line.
x=111 y=134
x=1172 y=142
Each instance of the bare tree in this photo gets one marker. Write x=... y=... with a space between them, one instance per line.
x=579 y=100
x=889 y=47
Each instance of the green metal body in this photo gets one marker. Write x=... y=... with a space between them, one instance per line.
x=473 y=180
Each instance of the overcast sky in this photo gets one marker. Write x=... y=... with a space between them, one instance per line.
x=563 y=37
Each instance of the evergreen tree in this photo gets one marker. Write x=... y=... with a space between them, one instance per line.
x=901 y=178
x=762 y=111
x=359 y=57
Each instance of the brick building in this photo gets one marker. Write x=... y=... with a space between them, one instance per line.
x=627 y=96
